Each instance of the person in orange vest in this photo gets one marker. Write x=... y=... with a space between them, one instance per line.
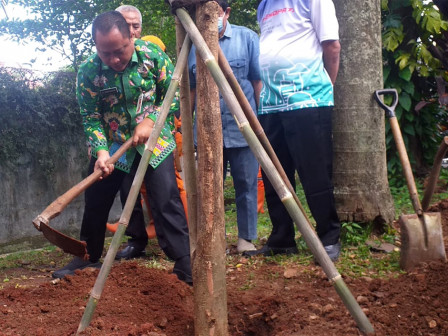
x=260 y=192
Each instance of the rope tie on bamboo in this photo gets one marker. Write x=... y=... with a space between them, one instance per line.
x=187 y=4
x=96 y=296
x=336 y=278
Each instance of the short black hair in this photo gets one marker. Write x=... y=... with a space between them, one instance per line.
x=223 y=3
x=106 y=21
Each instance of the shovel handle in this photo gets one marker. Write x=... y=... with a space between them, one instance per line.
x=55 y=208
x=401 y=148
x=390 y=110
x=434 y=175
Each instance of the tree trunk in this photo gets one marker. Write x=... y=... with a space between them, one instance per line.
x=209 y=267
x=360 y=170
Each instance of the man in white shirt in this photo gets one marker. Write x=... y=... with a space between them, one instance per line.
x=299 y=60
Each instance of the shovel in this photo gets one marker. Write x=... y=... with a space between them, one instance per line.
x=421 y=233
x=66 y=243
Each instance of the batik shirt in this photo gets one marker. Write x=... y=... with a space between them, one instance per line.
x=291 y=63
x=109 y=102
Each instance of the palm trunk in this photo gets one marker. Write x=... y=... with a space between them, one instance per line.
x=360 y=171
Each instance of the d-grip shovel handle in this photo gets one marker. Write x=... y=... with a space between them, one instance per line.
x=390 y=110
x=401 y=148
x=55 y=208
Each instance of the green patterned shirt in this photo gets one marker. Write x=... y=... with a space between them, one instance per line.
x=108 y=101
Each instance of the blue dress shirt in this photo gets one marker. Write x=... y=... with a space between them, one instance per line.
x=240 y=45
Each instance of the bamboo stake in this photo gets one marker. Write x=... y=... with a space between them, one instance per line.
x=434 y=175
x=285 y=195
x=255 y=124
x=188 y=146
x=135 y=189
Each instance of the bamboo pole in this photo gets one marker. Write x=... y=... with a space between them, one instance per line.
x=135 y=189
x=255 y=124
x=188 y=145
x=285 y=195
x=434 y=175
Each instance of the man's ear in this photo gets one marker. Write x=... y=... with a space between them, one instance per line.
x=228 y=10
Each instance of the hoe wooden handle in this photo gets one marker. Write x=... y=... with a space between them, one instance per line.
x=55 y=208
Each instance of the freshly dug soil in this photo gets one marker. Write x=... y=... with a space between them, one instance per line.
x=264 y=299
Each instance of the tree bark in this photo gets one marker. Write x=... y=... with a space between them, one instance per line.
x=209 y=267
x=360 y=169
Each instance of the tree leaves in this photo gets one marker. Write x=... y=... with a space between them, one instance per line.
x=55 y=23
x=392 y=38
x=414 y=47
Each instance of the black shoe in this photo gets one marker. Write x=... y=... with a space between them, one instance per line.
x=72 y=266
x=333 y=251
x=270 y=251
x=130 y=252
x=182 y=268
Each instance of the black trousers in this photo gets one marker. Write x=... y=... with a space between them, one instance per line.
x=166 y=208
x=302 y=140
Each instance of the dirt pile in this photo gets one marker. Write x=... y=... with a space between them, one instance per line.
x=263 y=299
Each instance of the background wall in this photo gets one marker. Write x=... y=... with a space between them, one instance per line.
x=43 y=153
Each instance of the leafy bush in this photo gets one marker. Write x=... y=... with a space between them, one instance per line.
x=37 y=115
x=413 y=41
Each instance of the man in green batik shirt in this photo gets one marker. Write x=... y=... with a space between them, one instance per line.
x=120 y=90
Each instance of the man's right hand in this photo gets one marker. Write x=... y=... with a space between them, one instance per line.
x=102 y=157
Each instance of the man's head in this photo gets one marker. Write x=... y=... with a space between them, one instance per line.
x=113 y=40
x=224 y=13
x=134 y=19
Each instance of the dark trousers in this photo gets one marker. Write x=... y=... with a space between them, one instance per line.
x=302 y=140
x=166 y=208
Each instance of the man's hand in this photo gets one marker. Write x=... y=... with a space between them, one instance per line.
x=331 y=50
x=102 y=157
x=142 y=132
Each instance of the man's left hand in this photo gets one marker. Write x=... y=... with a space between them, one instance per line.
x=142 y=132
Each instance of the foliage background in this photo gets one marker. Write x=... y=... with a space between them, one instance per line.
x=414 y=55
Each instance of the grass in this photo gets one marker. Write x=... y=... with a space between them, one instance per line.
x=36 y=257
x=356 y=260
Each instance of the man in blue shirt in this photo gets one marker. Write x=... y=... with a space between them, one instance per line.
x=240 y=45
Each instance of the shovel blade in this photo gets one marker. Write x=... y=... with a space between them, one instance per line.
x=67 y=244
x=421 y=239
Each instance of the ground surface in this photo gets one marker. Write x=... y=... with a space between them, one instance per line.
x=264 y=298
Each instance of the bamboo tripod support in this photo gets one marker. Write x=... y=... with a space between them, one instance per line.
x=282 y=190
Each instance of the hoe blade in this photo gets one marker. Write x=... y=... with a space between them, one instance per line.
x=66 y=243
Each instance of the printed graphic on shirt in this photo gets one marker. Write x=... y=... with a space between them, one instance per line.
x=291 y=55
x=292 y=86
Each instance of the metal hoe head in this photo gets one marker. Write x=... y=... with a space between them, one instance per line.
x=66 y=243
